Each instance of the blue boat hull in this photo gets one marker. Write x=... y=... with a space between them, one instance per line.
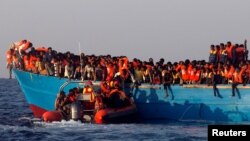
x=186 y=103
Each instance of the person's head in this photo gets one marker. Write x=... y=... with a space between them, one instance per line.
x=61 y=95
x=116 y=84
x=89 y=83
x=212 y=47
x=49 y=49
x=150 y=60
x=71 y=91
x=124 y=71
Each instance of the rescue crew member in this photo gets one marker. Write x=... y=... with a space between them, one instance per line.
x=89 y=96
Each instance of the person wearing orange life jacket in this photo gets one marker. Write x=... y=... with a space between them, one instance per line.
x=88 y=90
x=230 y=73
x=9 y=57
x=26 y=60
x=16 y=45
x=236 y=80
x=184 y=75
x=244 y=74
x=105 y=87
x=24 y=47
x=88 y=96
x=192 y=75
x=123 y=63
x=197 y=77
x=229 y=48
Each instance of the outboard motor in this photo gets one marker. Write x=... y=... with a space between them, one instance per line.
x=75 y=111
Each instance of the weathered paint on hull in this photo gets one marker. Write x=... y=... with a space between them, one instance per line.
x=190 y=102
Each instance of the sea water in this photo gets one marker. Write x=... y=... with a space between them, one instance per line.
x=17 y=123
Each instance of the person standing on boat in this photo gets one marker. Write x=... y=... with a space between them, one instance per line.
x=212 y=55
x=88 y=73
x=167 y=80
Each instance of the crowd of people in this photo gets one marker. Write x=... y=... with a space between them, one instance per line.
x=228 y=62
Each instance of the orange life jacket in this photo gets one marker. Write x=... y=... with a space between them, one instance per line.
x=104 y=87
x=25 y=46
x=89 y=91
x=9 y=56
x=231 y=71
x=124 y=65
x=184 y=74
x=110 y=71
x=26 y=62
x=237 y=77
x=192 y=75
x=197 y=75
x=44 y=49
x=229 y=51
